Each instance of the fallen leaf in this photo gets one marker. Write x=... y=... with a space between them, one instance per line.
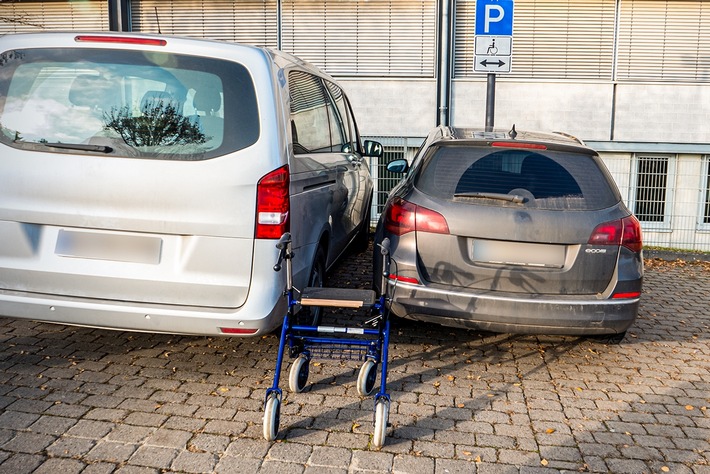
x=437 y=384
x=460 y=405
x=477 y=459
x=451 y=378
x=689 y=407
x=666 y=469
x=544 y=462
x=550 y=430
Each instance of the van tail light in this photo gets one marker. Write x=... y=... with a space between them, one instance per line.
x=242 y=331
x=272 y=204
x=626 y=232
x=402 y=217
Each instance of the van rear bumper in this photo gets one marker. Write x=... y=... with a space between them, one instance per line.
x=243 y=321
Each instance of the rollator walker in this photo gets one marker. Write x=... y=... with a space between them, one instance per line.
x=367 y=343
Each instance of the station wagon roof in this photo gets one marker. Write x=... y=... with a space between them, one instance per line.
x=480 y=136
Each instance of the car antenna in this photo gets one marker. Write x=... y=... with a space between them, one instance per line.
x=512 y=133
x=157 y=20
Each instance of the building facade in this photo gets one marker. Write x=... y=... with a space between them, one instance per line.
x=629 y=77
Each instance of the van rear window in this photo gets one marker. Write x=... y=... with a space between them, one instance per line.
x=126 y=103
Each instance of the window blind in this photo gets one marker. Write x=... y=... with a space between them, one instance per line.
x=363 y=37
x=25 y=17
x=664 y=40
x=570 y=39
x=243 y=21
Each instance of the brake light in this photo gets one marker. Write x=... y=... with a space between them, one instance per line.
x=121 y=39
x=627 y=295
x=403 y=279
x=402 y=217
x=272 y=204
x=532 y=146
x=626 y=232
x=237 y=331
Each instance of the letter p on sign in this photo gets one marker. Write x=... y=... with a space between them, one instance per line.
x=494 y=17
x=494 y=14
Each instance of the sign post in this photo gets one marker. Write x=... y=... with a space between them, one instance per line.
x=493 y=46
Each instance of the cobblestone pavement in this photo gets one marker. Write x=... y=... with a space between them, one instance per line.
x=93 y=401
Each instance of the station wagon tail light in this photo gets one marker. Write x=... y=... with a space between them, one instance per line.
x=627 y=295
x=626 y=232
x=402 y=217
x=272 y=204
x=120 y=40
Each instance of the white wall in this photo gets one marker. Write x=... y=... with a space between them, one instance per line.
x=674 y=113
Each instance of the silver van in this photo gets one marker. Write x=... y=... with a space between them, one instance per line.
x=145 y=180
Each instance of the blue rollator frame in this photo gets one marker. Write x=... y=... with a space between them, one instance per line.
x=368 y=344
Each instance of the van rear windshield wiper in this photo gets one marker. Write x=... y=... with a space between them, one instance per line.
x=80 y=146
x=502 y=197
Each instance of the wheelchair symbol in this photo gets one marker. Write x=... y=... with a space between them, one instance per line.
x=492 y=49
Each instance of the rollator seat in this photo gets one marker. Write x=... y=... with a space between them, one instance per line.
x=338 y=297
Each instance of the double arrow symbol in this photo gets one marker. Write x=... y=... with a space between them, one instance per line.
x=486 y=62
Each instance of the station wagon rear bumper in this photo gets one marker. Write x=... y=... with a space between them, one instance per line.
x=523 y=314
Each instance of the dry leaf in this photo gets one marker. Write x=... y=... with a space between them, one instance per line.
x=477 y=459
x=544 y=462
x=550 y=430
x=451 y=378
x=666 y=469
x=436 y=384
x=689 y=407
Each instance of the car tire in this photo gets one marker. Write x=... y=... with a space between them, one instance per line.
x=362 y=239
x=311 y=315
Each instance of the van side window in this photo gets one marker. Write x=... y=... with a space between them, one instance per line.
x=310 y=118
x=341 y=123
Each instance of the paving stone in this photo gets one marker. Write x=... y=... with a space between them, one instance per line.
x=198 y=463
x=60 y=465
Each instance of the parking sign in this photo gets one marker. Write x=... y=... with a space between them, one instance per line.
x=494 y=17
x=494 y=36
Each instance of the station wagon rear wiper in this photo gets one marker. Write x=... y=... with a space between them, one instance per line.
x=80 y=146
x=517 y=199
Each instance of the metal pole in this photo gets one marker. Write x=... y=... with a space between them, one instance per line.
x=443 y=93
x=490 y=101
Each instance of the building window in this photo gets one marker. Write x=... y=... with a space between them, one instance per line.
x=663 y=41
x=705 y=203
x=37 y=16
x=652 y=203
x=382 y=38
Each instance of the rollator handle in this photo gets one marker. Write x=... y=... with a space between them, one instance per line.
x=385 y=246
x=283 y=245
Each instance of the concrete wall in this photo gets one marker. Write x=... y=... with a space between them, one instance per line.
x=673 y=113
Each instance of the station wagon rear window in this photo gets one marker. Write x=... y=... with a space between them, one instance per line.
x=532 y=179
x=126 y=103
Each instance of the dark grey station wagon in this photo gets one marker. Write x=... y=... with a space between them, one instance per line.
x=512 y=232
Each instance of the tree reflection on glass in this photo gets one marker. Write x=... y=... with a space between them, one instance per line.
x=160 y=124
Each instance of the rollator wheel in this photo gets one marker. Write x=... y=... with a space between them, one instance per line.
x=272 y=414
x=366 y=378
x=382 y=411
x=298 y=376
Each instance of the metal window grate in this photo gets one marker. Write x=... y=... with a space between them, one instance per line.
x=651 y=188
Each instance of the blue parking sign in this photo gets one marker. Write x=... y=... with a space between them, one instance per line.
x=494 y=17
